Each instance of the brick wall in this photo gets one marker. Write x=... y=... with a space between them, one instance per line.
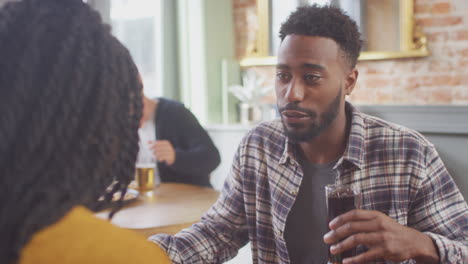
x=244 y=16
x=441 y=78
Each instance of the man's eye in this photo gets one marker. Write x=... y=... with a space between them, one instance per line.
x=282 y=76
x=311 y=77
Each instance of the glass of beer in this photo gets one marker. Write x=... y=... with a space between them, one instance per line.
x=146 y=172
x=340 y=199
x=144 y=177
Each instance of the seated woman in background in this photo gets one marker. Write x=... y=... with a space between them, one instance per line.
x=70 y=104
x=183 y=149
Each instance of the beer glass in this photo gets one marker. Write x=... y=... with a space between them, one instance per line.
x=341 y=198
x=145 y=174
x=144 y=177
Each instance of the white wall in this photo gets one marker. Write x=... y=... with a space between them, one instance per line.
x=227 y=139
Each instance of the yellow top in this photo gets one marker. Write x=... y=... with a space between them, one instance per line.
x=80 y=237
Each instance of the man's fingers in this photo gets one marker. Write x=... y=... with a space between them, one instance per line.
x=161 y=142
x=353 y=215
x=161 y=148
x=368 y=239
x=154 y=147
x=350 y=228
x=162 y=153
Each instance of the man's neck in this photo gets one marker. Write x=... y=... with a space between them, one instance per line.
x=329 y=145
x=149 y=109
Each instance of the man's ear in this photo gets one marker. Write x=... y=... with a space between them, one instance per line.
x=351 y=80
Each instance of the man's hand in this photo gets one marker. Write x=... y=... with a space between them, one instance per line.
x=385 y=238
x=163 y=151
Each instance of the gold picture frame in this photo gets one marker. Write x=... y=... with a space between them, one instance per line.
x=413 y=42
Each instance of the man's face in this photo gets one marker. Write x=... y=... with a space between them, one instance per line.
x=310 y=79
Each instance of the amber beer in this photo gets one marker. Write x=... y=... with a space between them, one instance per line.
x=144 y=178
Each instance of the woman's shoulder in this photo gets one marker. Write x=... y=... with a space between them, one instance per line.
x=80 y=237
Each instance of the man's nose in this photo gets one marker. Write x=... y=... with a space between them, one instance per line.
x=295 y=91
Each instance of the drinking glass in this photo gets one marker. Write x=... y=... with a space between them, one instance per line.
x=340 y=199
x=146 y=173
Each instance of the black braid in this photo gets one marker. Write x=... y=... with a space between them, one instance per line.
x=70 y=105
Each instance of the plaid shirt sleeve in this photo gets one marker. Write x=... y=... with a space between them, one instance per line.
x=220 y=233
x=440 y=211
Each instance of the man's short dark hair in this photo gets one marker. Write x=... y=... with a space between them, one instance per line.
x=325 y=21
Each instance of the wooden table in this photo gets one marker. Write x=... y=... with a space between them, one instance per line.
x=169 y=209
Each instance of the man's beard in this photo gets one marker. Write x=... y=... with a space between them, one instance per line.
x=323 y=121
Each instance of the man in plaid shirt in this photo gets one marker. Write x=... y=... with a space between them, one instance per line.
x=411 y=208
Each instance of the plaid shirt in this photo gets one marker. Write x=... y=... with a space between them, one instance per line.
x=399 y=173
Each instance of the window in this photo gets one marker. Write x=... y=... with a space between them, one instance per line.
x=137 y=24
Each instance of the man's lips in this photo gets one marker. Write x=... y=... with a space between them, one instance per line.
x=293 y=116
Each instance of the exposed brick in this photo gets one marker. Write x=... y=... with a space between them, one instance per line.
x=443 y=51
x=422 y=8
x=461 y=35
x=405 y=99
x=463 y=64
x=430 y=2
x=361 y=95
x=464 y=53
x=373 y=71
x=464 y=81
x=370 y=67
x=460 y=95
x=437 y=36
x=243 y=3
x=445 y=80
x=441 y=8
x=415 y=96
x=437 y=80
x=415 y=66
x=441 y=66
x=439 y=21
x=385 y=96
x=412 y=83
x=377 y=82
x=440 y=97
x=424 y=95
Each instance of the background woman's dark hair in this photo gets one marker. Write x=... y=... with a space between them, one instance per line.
x=70 y=104
x=329 y=22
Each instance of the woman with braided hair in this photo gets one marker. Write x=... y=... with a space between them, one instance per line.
x=70 y=104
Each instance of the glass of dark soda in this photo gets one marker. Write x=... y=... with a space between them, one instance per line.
x=341 y=198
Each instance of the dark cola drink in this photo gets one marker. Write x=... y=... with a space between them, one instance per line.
x=341 y=199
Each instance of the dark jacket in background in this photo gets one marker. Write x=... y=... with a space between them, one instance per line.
x=196 y=155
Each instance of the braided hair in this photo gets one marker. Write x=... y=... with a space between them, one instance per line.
x=70 y=104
